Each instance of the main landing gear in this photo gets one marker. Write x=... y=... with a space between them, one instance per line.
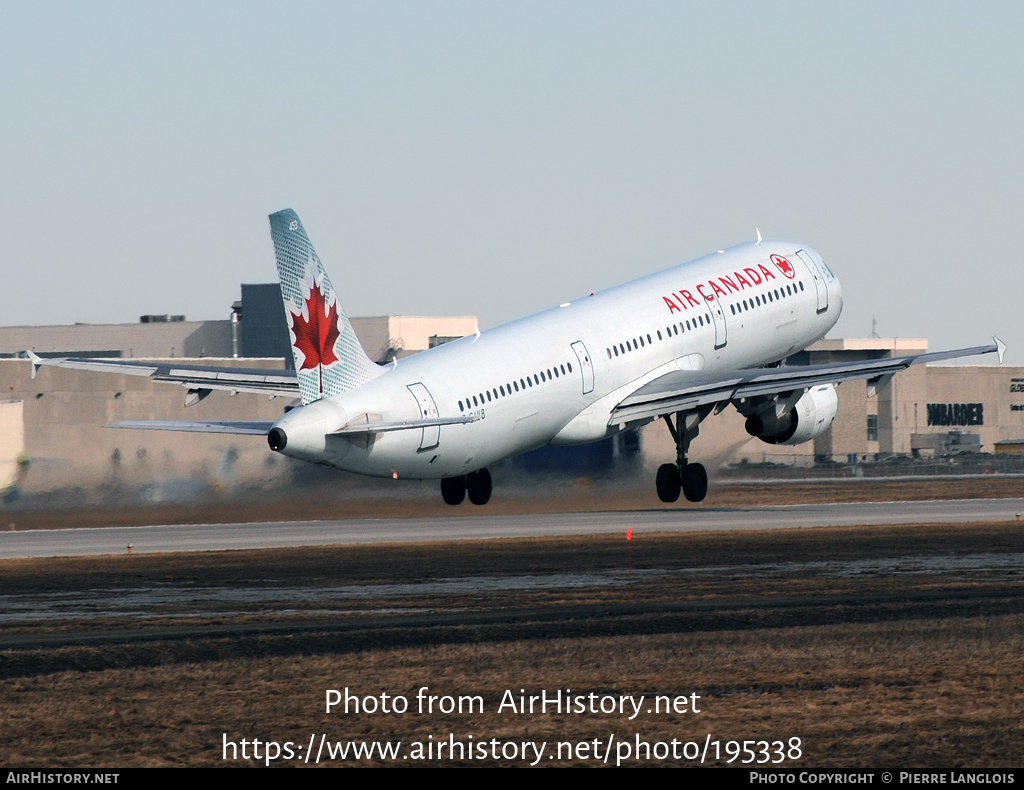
x=691 y=479
x=476 y=484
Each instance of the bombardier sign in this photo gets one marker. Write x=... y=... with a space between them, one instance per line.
x=955 y=414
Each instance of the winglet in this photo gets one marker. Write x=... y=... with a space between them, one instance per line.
x=1000 y=348
x=758 y=236
x=36 y=361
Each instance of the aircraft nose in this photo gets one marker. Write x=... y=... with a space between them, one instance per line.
x=836 y=295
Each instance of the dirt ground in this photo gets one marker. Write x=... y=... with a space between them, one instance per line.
x=582 y=495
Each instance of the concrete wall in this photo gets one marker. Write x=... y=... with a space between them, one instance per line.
x=990 y=386
x=902 y=409
x=173 y=339
x=264 y=329
x=409 y=333
x=12 y=440
x=65 y=412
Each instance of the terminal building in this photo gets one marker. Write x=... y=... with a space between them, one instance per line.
x=52 y=433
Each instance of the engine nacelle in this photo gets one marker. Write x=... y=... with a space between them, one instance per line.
x=810 y=417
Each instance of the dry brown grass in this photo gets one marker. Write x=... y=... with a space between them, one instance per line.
x=932 y=693
x=885 y=667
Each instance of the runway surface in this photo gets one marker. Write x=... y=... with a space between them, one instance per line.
x=221 y=537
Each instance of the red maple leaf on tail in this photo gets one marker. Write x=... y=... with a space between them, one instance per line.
x=316 y=337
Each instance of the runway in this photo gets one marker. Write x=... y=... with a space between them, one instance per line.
x=477 y=526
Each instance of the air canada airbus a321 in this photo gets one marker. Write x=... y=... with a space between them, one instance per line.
x=677 y=345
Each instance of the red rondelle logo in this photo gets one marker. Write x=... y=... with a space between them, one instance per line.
x=784 y=266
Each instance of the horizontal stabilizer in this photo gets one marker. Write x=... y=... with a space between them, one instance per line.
x=251 y=428
x=269 y=381
x=403 y=425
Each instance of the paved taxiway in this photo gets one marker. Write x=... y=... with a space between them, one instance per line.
x=220 y=537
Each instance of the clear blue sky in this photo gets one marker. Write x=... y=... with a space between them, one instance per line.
x=493 y=158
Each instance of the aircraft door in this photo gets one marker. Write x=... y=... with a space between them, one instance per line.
x=718 y=319
x=428 y=411
x=586 y=366
x=818 y=277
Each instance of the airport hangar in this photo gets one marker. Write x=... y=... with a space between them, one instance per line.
x=52 y=435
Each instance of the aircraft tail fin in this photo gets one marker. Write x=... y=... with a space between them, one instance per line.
x=328 y=357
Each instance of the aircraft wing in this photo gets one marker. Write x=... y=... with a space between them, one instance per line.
x=682 y=391
x=199 y=380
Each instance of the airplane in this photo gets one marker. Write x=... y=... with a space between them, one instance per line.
x=677 y=345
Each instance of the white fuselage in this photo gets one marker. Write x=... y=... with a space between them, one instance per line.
x=554 y=377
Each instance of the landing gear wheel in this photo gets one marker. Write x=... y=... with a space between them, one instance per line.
x=453 y=490
x=668 y=483
x=695 y=482
x=478 y=485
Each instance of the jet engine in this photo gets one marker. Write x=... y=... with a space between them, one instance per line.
x=810 y=416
